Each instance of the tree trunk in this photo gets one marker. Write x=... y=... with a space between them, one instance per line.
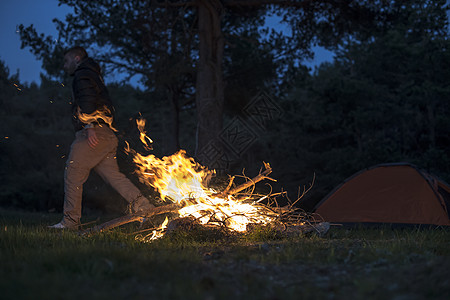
x=209 y=85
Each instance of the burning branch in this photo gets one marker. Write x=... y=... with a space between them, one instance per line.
x=137 y=217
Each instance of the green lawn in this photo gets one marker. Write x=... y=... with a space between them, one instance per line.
x=357 y=263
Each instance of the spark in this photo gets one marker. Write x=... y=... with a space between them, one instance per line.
x=17 y=87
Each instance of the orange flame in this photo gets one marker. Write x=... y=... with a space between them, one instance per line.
x=179 y=177
x=157 y=233
x=103 y=114
x=143 y=134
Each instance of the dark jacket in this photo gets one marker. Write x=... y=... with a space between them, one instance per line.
x=89 y=92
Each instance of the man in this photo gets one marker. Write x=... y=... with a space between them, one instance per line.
x=95 y=143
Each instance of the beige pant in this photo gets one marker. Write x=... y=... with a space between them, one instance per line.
x=82 y=159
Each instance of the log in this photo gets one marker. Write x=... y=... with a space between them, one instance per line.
x=136 y=217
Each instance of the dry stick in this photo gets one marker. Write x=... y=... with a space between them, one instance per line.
x=133 y=218
x=305 y=191
x=229 y=186
x=249 y=183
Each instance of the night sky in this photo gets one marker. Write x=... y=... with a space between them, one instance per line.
x=41 y=13
x=26 y=12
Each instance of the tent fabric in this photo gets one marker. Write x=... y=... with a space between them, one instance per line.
x=390 y=193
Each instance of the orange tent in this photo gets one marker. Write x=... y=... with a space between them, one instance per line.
x=389 y=193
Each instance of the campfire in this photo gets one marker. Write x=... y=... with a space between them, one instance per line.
x=183 y=183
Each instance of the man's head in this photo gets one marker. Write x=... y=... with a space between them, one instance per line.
x=73 y=57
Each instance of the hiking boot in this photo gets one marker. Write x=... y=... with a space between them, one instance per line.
x=57 y=226
x=60 y=225
x=140 y=204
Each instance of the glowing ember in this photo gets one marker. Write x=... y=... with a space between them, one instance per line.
x=103 y=114
x=233 y=214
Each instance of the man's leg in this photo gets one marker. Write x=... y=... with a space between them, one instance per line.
x=108 y=169
x=82 y=159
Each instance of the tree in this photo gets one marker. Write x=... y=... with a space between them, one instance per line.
x=178 y=38
x=383 y=99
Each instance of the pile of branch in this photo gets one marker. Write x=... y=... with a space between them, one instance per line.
x=286 y=215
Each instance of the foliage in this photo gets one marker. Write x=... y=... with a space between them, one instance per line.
x=383 y=99
x=359 y=263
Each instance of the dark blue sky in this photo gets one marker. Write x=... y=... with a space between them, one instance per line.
x=27 y=12
x=41 y=13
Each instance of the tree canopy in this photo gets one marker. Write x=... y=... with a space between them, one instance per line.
x=179 y=46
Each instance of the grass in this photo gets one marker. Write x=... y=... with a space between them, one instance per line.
x=357 y=263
